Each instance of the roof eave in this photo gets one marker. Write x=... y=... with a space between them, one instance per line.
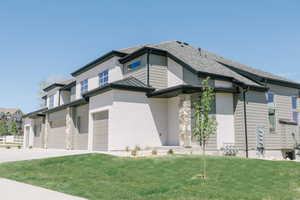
x=71 y=104
x=52 y=86
x=40 y=111
x=98 y=61
x=186 y=89
x=140 y=52
x=112 y=86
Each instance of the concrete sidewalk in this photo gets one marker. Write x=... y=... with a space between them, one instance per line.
x=12 y=190
x=10 y=155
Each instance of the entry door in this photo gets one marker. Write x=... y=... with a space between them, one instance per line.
x=100 y=131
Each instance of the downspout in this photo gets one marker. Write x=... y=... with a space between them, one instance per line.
x=245 y=90
x=59 y=97
x=148 y=67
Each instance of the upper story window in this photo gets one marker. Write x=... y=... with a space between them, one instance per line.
x=294 y=109
x=134 y=65
x=51 y=101
x=103 y=78
x=84 y=86
x=271 y=112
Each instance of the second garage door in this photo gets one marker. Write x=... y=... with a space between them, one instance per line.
x=57 y=134
x=100 y=140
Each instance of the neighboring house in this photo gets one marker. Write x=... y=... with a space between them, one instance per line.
x=143 y=96
x=12 y=115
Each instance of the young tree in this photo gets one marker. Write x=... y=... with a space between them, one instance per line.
x=13 y=129
x=3 y=127
x=205 y=125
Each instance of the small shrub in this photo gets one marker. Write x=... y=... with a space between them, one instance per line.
x=134 y=153
x=154 y=152
x=8 y=147
x=19 y=146
x=30 y=147
x=230 y=150
x=170 y=152
x=127 y=149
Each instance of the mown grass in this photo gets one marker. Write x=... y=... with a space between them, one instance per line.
x=97 y=176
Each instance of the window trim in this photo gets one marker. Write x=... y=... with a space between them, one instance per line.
x=136 y=68
x=294 y=110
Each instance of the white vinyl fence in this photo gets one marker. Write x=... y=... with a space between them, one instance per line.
x=11 y=139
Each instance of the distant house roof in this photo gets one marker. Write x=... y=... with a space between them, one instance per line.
x=9 y=110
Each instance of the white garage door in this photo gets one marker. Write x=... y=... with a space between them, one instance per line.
x=57 y=134
x=100 y=140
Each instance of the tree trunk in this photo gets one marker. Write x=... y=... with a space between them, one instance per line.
x=204 y=160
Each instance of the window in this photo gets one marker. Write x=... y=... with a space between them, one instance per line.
x=294 y=109
x=103 y=78
x=84 y=86
x=133 y=65
x=270 y=98
x=272 y=112
x=272 y=119
x=51 y=101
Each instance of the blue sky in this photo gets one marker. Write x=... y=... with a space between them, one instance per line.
x=41 y=39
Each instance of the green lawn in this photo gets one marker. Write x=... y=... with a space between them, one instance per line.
x=106 y=177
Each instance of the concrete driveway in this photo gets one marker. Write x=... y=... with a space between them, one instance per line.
x=10 y=155
x=12 y=190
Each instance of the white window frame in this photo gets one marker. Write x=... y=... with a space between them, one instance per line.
x=84 y=86
x=294 y=109
x=272 y=106
x=51 y=101
x=103 y=77
x=128 y=69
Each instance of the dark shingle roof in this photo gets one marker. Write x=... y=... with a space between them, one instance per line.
x=246 y=68
x=204 y=61
x=130 y=81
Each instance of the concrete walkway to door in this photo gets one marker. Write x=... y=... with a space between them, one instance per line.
x=12 y=190
x=10 y=155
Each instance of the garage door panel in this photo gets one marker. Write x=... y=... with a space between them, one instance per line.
x=57 y=135
x=81 y=141
x=100 y=141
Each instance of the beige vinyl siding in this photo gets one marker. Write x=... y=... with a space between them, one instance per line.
x=283 y=107
x=239 y=127
x=190 y=78
x=257 y=117
x=80 y=137
x=140 y=74
x=158 y=72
